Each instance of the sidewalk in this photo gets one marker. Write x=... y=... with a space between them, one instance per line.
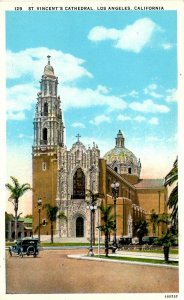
x=130 y=254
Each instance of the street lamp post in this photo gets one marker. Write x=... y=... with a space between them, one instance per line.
x=115 y=190
x=39 y=203
x=92 y=208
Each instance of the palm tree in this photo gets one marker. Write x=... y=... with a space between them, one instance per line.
x=52 y=216
x=141 y=229
x=166 y=240
x=16 y=191
x=172 y=203
x=107 y=224
x=154 y=220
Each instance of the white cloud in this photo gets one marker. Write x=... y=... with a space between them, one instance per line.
x=148 y=106
x=123 y=118
x=100 y=119
x=30 y=62
x=78 y=125
x=20 y=98
x=16 y=116
x=153 y=121
x=102 y=89
x=133 y=37
x=133 y=94
x=140 y=119
x=151 y=91
x=82 y=98
x=23 y=136
x=171 y=95
x=167 y=46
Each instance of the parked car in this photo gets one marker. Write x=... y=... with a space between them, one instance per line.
x=124 y=241
x=25 y=246
x=149 y=240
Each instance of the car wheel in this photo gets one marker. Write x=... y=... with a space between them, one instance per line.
x=20 y=253
x=31 y=250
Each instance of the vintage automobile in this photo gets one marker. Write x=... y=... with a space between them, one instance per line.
x=124 y=241
x=25 y=246
x=149 y=240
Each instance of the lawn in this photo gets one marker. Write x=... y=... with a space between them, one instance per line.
x=137 y=259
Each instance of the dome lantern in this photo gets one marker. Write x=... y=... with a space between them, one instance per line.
x=120 y=140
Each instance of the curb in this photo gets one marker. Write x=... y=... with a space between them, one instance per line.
x=118 y=261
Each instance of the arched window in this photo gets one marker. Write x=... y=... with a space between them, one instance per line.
x=44 y=135
x=116 y=169
x=129 y=171
x=45 y=109
x=80 y=227
x=79 y=185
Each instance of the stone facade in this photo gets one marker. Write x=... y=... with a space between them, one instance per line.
x=65 y=177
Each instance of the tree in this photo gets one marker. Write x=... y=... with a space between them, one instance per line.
x=52 y=212
x=170 y=179
x=107 y=224
x=16 y=191
x=164 y=219
x=166 y=240
x=141 y=229
x=154 y=220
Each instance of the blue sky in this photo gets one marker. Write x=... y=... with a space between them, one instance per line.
x=116 y=70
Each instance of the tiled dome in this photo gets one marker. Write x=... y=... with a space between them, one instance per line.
x=120 y=155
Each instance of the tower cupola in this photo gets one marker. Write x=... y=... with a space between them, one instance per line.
x=48 y=70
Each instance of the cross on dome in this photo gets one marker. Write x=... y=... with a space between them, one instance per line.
x=78 y=136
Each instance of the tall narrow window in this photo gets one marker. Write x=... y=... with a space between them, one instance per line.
x=44 y=166
x=45 y=136
x=45 y=109
x=79 y=184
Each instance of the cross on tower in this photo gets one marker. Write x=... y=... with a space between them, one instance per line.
x=78 y=136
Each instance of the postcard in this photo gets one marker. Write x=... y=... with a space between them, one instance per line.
x=92 y=143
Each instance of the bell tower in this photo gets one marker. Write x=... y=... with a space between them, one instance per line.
x=48 y=124
x=48 y=136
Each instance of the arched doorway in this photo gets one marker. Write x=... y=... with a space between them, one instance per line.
x=79 y=227
x=79 y=185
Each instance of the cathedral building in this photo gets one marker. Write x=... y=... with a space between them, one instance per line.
x=65 y=177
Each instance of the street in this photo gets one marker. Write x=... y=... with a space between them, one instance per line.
x=53 y=272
